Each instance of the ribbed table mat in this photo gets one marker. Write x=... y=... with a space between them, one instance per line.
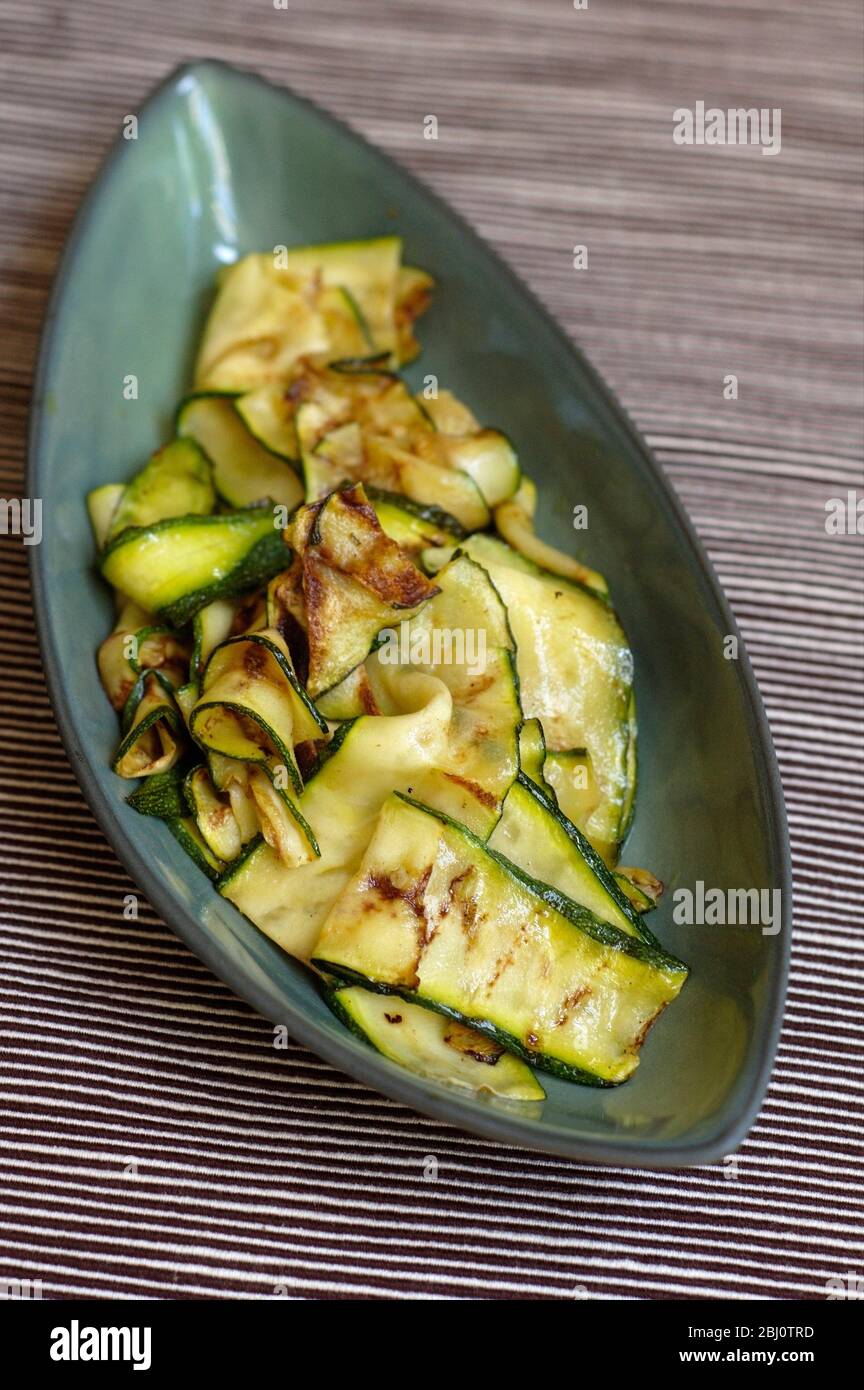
x=261 y=1172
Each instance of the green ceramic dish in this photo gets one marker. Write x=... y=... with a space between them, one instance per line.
x=225 y=163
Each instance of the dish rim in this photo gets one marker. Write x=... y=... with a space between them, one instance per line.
x=373 y=1070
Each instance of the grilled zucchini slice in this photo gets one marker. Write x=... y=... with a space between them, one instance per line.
x=368 y=270
x=283 y=827
x=136 y=646
x=175 y=567
x=187 y=834
x=351 y=698
x=260 y=327
x=413 y=525
x=413 y=293
x=433 y=1046
x=347 y=454
x=532 y=754
x=515 y=523
x=161 y=796
x=102 y=503
x=210 y=627
x=640 y=886
x=575 y=675
x=175 y=481
x=463 y=638
x=213 y=815
x=244 y=472
x=533 y=834
x=356 y=581
x=489 y=458
x=273 y=311
x=570 y=774
x=116 y=672
x=432 y=915
x=268 y=414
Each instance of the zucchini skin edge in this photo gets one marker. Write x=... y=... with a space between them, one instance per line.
x=592 y=858
x=538 y=1060
x=651 y=952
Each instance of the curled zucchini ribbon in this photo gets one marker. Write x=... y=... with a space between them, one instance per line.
x=177 y=566
x=252 y=706
x=355 y=582
x=153 y=732
x=137 y=644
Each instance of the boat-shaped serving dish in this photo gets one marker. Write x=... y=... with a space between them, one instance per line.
x=223 y=164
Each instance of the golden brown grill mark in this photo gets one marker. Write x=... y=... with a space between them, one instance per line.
x=255 y=661
x=367 y=698
x=486 y=798
x=472 y=1045
x=449 y=897
x=502 y=964
x=414 y=898
x=470 y=910
x=220 y=814
x=643 y=1032
x=479 y=686
x=570 y=1004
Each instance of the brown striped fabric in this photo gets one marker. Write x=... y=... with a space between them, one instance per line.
x=152 y=1142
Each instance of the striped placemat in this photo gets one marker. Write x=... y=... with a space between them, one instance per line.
x=151 y=1141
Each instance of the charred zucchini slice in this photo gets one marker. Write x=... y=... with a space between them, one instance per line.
x=388 y=464
x=413 y=525
x=356 y=581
